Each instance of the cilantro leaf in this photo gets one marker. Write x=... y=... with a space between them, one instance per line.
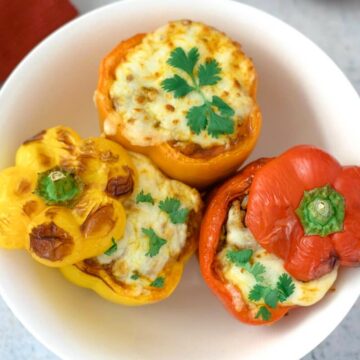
x=219 y=125
x=186 y=62
x=155 y=243
x=223 y=107
x=239 y=257
x=257 y=270
x=264 y=313
x=285 y=287
x=142 y=197
x=172 y=207
x=257 y=292
x=134 y=276
x=197 y=118
x=209 y=73
x=112 y=248
x=180 y=216
x=177 y=84
x=271 y=297
x=158 y=282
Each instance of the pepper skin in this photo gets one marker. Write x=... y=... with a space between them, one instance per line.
x=197 y=172
x=210 y=233
x=277 y=227
x=56 y=202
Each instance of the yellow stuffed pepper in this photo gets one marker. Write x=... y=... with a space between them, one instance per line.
x=146 y=263
x=60 y=200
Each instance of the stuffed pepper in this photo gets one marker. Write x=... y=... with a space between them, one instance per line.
x=62 y=199
x=185 y=95
x=145 y=264
x=273 y=236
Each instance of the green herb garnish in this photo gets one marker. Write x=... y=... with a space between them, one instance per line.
x=172 y=207
x=155 y=242
x=239 y=257
x=242 y=258
x=285 y=287
x=112 y=248
x=141 y=197
x=257 y=292
x=257 y=270
x=214 y=115
x=158 y=282
x=134 y=276
x=264 y=313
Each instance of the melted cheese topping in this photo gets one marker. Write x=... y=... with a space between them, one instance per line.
x=238 y=237
x=130 y=257
x=148 y=114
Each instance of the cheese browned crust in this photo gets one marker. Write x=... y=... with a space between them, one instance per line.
x=149 y=116
x=130 y=257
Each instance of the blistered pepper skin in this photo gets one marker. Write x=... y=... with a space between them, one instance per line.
x=62 y=233
x=197 y=172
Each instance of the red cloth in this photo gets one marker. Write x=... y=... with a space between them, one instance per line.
x=24 y=23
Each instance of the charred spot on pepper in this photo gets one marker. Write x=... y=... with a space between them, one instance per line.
x=326 y=266
x=49 y=241
x=108 y=157
x=23 y=187
x=99 y=222
x=30 y=207
x=92 y=268
x=45 y=160
x=120 y=185
x=37 y=137
x=64 y=137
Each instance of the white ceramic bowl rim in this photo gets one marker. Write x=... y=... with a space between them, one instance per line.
x=263 y=19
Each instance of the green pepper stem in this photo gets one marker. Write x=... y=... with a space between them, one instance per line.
x=58 y=186
x=321 y=211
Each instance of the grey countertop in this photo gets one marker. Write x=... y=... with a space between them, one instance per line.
x=334 y=25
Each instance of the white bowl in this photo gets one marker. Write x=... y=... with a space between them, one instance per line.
x=305 y=99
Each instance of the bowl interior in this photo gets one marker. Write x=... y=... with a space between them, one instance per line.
x=304 y=99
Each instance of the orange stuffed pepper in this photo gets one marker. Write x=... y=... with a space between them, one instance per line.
x=184 y=95
x=274 y=235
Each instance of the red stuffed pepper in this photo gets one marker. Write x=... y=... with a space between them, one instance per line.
x=274 y=235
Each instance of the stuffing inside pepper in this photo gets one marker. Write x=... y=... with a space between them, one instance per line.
x=145 y=264
x=60 y=200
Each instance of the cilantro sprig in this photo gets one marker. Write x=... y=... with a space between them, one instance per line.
x=264 y=313
x=135 y=276
x=155 y=242
x=213 y=115
x=159 y=282
x=242 y=257
x=112 y=248
x=141 y=197
x=172 y=206
x=285 y=286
